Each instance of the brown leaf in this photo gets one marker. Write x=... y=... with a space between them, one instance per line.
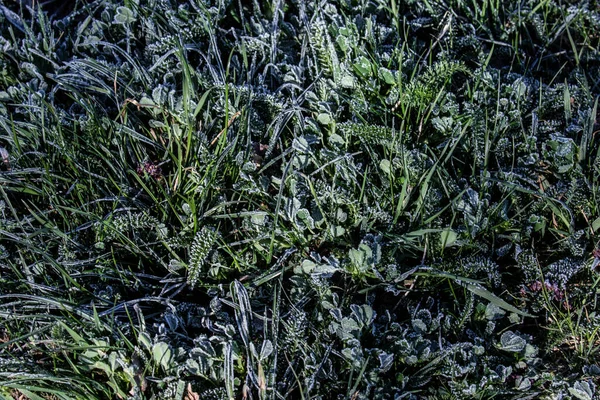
x=190 y=394
x=4 y=159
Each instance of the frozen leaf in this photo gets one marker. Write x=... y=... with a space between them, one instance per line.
x=124 y=16
x=385 y=166
x=385 y=361
x=243 y=315
x=593 y=369
x=583 y=390
x=493 y=312
x=324 y=270
x=304 y=215
x=266 y=349
x=347 y=328
x=419 y=326
x=253 y=350
x=308 y=266
x=336 y=140
x=144 y=339
x=363 y=314
x=509 y=341
x=348 y=82
x=192 y=366
x=522 y=383
x=301 y=145
x=530 y=351
x=514 y=318
x=324 y=118
x=359 y=257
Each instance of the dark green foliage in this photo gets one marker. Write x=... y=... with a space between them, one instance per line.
x=221 y=199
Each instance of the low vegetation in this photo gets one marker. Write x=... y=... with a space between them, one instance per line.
x=216 y=199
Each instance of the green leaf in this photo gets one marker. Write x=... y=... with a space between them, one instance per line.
x=124 y=16
x=363 y=66
x=337 y=231
x=324 y=118
x=486 y=294
x=161 y=352
x=342 y=42
x=228 y=370
x=596 y=224
x=144 y=339
x=347 y=328
x=361 y=257
x=386 y=166
x=324 y=270
x=387 y=76
x=308 y=266
x=448 y=237
x=336 y=140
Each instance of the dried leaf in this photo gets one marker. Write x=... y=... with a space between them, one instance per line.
x=190 y=394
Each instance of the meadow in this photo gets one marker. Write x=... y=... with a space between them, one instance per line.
x=290 y=199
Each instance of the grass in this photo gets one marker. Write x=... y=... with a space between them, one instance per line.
x=275 y=199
